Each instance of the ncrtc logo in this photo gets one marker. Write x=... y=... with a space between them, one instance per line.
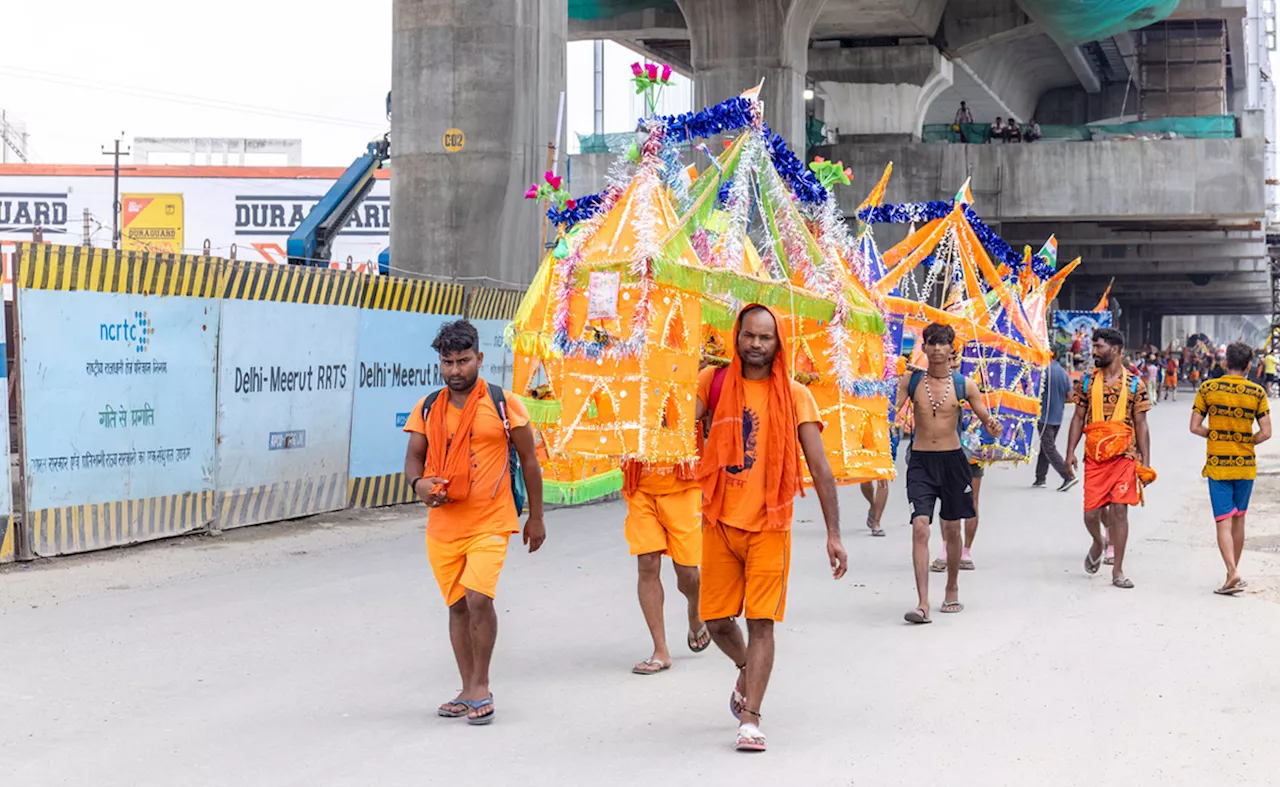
x=137 y=331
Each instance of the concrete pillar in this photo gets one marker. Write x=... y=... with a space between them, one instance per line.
x=494 y=71
x=734 y=43
x=899 y=82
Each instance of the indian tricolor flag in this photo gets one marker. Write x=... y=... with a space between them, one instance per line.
x=688 y=175
x=752 y=94
x=965 y=195
x=1049 y=252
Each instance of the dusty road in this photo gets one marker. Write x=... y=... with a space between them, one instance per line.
x=315 y=654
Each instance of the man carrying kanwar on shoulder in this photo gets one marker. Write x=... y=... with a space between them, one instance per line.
x=750 y=472
x=1111 y=414
x=470 y=446
x=939 y=468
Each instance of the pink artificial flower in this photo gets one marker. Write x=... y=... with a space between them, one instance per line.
x=848 y=173
x=818 y=159
x=532 y=193
x=636 y=69
x=552 y=179
x=666 y=72
x=651 y=71
x=571 y=204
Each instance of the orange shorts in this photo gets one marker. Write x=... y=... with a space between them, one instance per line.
x=670 y=524
x=1113 y=481
x=467 y=564
x=741 y=569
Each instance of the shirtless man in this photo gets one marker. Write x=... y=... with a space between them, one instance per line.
x=939 y=469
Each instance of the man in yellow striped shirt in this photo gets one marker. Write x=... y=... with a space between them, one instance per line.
x=1231 y=403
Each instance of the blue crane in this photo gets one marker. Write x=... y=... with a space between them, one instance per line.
x=312 y=242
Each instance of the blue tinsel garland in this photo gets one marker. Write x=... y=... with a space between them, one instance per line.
x=921 y=212
x=585 y=208
x=725 y=117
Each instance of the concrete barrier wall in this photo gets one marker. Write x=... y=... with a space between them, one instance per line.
x=166 y=394
x=117 y=359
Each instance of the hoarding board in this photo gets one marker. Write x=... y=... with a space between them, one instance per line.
x=286 y=372
x=118 y=394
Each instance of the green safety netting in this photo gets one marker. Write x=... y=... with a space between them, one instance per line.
x=1081 y=21
x=1216 y=127
x=606 y=143
x=605 y=9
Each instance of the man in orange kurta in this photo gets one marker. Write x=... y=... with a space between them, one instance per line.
x=750 y=473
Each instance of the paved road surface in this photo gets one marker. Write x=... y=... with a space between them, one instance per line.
x=315 y=654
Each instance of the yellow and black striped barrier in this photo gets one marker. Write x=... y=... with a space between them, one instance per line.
x=265 y=281
x=378 y=490
x=392 y=293
x=78 y=268
x=70 y=529
x=282 y=500
x=7 y=546
x=487 y=303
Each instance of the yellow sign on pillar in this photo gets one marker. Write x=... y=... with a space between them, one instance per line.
x=454 y=140
x=151 y=222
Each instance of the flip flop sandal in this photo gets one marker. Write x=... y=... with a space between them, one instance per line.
x=1092 y=564
x=639 y=669
x=952 y=607
x=694 y=637
x=480 y=721
x=1242 y=583
x=938 y=566
x=875 y=531
x=917 y=617
x=1122 y=582
x=444 y=712
x=750 y=738
x=966 y=564
x=1229 y=591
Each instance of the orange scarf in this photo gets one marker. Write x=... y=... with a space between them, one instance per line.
x=451 y=460
x=1105 y=439
x=723 y=447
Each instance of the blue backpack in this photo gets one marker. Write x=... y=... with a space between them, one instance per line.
x=518 y=490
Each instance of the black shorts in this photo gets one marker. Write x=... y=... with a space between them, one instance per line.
x=940 y=475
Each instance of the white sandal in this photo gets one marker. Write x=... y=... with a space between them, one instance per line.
x=750 y=738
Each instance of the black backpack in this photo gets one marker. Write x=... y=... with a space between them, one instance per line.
x=518 y=491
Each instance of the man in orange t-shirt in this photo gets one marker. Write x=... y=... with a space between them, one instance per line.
x=664 y=517
x=458 y=460
x=750 y=473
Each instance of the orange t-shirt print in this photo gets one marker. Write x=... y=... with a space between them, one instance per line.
x=489 y=508
x=744 y=493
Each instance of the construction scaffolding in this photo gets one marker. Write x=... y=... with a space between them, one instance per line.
x=1182 y=69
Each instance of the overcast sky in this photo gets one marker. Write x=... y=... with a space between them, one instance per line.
x=78 y=72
